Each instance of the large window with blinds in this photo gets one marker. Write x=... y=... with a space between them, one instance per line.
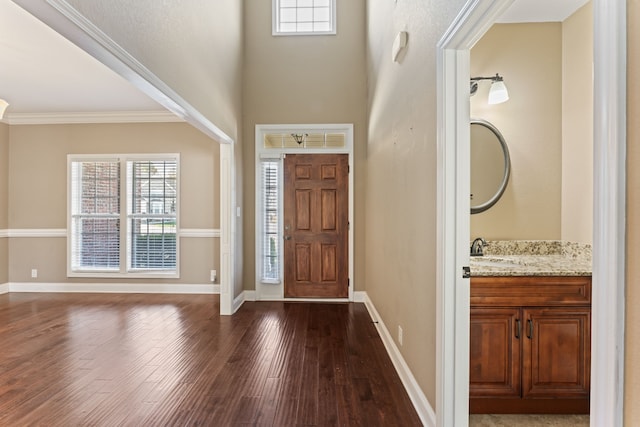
x=123 y=216
x=304 y=17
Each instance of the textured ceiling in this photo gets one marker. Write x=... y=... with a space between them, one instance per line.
x=42 y=72
x=541 y=10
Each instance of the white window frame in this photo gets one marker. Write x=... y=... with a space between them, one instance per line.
x=276 y=28
x=125 y=271
x=277 y=159
x=274 y=289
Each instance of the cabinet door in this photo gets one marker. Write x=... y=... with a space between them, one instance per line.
x=494 y=359
x=556 y=352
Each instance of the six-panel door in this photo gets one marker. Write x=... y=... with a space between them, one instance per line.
x=316 y=225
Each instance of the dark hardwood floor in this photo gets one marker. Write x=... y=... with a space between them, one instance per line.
x=171 y=360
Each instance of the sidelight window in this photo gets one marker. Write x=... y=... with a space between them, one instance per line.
x=270 y=221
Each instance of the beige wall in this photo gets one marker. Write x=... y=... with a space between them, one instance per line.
x=4 y=210
x=38 y=185
x=400 y=233
x=577 y=126
x=547 y=68
x=304 y=79
x=529 y=58
x=4 y=174
x=632 y=331
x=195 y=48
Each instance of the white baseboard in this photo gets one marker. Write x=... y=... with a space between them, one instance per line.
x=421 y=404
x=240 y=299
x=360 y=296
x=249 y=295
x=125 y=288
x=4 y=288
x=237 y=302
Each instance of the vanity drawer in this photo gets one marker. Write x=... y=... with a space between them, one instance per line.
x=531 y=291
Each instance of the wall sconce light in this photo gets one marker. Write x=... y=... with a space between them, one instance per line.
x=497 y=93
x=3 y=107
x=299 y=137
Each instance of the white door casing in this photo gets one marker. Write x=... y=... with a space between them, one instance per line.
x=275 y=290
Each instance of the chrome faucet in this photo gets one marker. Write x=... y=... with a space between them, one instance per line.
x=477 y=245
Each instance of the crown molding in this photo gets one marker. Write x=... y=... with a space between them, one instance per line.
x=91 y=117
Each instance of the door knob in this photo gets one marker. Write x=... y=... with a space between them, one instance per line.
x=287 y=237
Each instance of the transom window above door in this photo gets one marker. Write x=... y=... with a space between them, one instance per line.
x=302 y=139
x=304 y=17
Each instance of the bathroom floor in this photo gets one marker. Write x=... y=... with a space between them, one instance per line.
x=528 y=420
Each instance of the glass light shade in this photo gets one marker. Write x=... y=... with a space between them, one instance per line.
x=498 y=92
x=3 y=106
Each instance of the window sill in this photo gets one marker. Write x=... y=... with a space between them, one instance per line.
x=292 y=33
x=134 y=275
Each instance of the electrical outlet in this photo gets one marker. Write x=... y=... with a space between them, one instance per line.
x=213 y=275
x=400 y=335
x=34 y=273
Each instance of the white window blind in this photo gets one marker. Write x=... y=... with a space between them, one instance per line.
x=304 y=17
x=95 y=216
x=152 y=201
x=123 y=216
x=270 y=221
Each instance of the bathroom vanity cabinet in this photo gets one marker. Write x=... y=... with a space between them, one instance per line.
x=530 y=344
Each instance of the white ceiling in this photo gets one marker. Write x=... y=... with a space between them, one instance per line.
x=540 y=10
x=42 y=72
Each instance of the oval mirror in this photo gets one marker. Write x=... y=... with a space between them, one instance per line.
x=490 y=165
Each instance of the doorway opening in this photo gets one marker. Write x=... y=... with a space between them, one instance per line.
x=607 y=370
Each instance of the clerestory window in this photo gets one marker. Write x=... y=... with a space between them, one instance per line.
x=304 y=17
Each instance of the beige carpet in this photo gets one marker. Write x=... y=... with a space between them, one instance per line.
x=528 y=420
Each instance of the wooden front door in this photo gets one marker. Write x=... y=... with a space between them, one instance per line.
x=316 y=225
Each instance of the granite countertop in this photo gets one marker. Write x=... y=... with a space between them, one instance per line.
x=532 y=258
